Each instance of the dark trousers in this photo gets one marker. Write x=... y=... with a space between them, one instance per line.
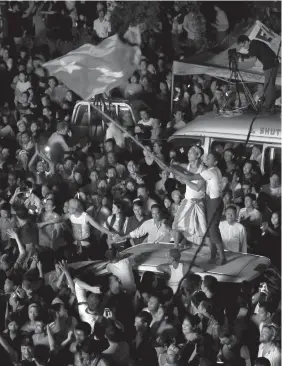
x=270 y=87
x=214 y=208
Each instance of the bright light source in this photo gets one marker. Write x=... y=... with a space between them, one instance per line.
x=47 y=148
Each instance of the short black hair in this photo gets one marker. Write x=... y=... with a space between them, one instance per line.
x=84 y=327
x=232 y=207
x=216 y=155
x=156 y=205
x=262 y=361
x=211 y=283
x=242 y=39
x=145 y=317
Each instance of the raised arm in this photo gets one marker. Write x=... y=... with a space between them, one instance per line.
x=64 y=268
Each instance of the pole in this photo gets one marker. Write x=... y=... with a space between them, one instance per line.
x=125 y=132
x=171 y=92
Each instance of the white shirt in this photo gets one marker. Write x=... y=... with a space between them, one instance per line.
x=233 y=236
x=102 y=28
x=156 y=233
x=58 y=139
x=254 y=215
x=222 y=23
x=123 y=270
x=148 y=123
x=213 y=178
x=82 y=307
x=80 y=228
x=273 y=355
x=115 y=133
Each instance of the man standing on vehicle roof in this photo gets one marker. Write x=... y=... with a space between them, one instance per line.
x=261 y=51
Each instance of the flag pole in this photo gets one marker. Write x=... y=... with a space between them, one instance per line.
x=125 y=132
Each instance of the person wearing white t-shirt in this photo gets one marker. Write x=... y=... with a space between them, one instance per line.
x=214 y=204
x=122 y=268
x=221 y=24
x=101 y=25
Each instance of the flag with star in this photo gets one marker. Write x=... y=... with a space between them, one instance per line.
x=90 y=70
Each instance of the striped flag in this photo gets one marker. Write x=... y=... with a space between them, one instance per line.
x=90 y=70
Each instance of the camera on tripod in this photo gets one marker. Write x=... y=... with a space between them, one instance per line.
x=233 y=57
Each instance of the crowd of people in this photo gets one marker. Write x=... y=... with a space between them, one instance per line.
x=62 y=203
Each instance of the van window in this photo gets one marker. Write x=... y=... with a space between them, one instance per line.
x=238 y=147
x=272 y=160
x=125 y=115
x=81 y=117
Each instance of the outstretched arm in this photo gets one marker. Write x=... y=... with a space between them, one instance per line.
x=93 y=223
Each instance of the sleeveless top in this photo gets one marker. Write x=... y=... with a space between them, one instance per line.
x=191 y=193
x=175 y=276
x=81 y=229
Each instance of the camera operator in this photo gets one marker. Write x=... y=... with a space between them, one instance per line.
x=261 y=51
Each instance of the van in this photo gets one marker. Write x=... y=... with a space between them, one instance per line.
x=88 y=122
x=210 y=130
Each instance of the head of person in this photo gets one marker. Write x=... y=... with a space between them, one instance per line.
x=134 y=79
x=111 y=158
x=231 y=214
x=195 y=153
x=265 y=311
x=157 y=147
x=163 y=87
x=167 y=202
x=275 y=180
x=176 y=196
x=213 y=159
x=132 y=167
x=52 y=82
x=276 y=219
x=198 y=88
x=256 y=151
x=81 y=332
x=131 y=185
x=268 y=334
x=197 y=298
x=174 y=255
x=90 y=162
x=75 y=206
x=248 y=167
x=143 y=321
x=151 y=69
x=22 y=215
x=138 y=208
x=111 y=172
x=27 y=348
x=33 y=312
x=228 y=155
x=94 y=304
x=86 y=352
x=13 y=323
x=225 y=336
x=142 y=192
x=243 y=41
x=262 y=361
x=205 y=308
x=49 y=205
x=173 y=354
x=62 y=128
x=189 y=324
x=209 y=284
x=154 y=303
x=156 y=212
x=178 y=115
x=40 y=326
x=21 y=125
x=249 y=200
x=144 y=115
x=109 y=145
x=5 y=211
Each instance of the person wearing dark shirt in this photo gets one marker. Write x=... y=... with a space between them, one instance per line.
x=267 y=57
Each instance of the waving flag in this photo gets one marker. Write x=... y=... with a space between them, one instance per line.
x=90 y=70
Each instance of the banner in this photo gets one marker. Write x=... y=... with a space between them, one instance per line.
x=90 y=70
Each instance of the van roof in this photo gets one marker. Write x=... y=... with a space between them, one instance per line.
x=264 y=128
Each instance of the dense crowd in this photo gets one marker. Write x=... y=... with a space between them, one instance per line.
x=63 y=203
